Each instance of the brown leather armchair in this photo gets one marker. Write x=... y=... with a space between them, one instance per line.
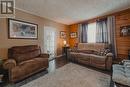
x=24 y=61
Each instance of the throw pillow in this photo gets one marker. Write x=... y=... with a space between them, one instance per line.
x=96 y=53
x=104 y=52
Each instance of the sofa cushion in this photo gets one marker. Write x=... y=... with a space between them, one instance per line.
x=86 y=51
x=100 y=49
x=102 y=52
x=83 y=56
x=24 y=49
x=93 y=46
x=42 y=61
x=34 y=64
x=26 y=56
x=27 y=67
x=17 y=50
x=98 y=59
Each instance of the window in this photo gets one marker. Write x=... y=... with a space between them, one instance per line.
x=91 y=32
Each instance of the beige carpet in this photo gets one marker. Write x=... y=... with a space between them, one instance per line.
x=72 y=75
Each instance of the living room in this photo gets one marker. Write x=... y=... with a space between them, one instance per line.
x=47 y=43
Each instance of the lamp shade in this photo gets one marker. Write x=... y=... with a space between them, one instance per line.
x=64 y=42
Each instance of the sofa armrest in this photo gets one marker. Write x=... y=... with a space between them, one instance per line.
x=9 y=64
x=109 y=61
x=109 y=55
x=44 y=55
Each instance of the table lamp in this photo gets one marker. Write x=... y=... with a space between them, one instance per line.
x=64 y=42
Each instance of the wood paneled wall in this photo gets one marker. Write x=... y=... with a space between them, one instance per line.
x=122 y=43
x=73 y=41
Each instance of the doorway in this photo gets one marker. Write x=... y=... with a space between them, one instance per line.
x=50 y=41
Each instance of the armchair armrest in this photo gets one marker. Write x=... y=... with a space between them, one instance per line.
x=9 y=64
x=125 y=60
x=45 y=55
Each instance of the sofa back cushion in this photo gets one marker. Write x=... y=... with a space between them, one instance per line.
x=85 y=51
x=24 y=49
x=93 y=46
x=23 y=53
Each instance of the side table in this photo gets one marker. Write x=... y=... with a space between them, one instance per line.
x=64 y=50
x=3 y=75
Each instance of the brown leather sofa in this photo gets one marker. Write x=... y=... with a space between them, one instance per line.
x=94 y=54
x=24 y=61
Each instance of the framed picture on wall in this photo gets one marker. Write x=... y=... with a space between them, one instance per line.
x=73 y=35
x=18 y=29
x=63 y=34
x=125 y=31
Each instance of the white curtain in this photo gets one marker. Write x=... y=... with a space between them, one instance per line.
x=111 y=34
x=101 y=31
x=82 y=32
x=106 y=32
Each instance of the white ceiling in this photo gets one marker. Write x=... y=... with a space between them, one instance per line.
x=71 y=11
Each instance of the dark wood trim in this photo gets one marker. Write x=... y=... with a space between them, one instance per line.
x=23 y=22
